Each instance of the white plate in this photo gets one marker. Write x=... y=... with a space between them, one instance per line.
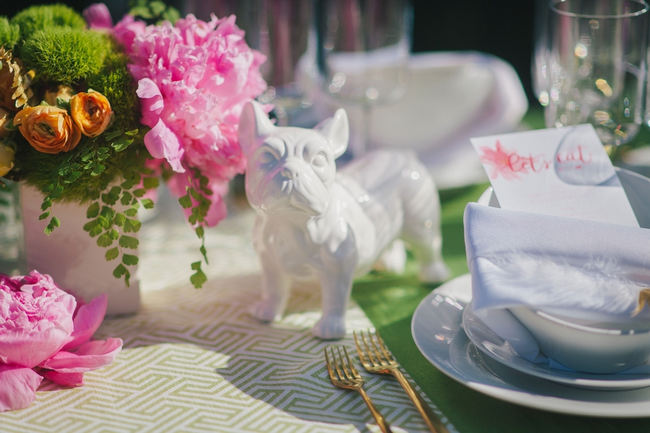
x=437 y=331
x=497 y=348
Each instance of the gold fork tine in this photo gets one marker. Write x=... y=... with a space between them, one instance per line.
x=344 y=367
x=376 y=358
x=384 y=349
x=367 y=342
x=353 y=371
x=328 y=363
x=357 y=343
x=343 y=374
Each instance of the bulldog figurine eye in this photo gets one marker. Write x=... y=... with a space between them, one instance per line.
x=314 y=223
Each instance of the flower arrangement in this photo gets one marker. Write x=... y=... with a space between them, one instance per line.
x=45 y=333
x=97 y=113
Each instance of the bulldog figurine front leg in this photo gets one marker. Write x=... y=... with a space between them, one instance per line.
x=316 y=224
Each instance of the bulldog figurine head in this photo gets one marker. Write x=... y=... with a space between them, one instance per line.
x=316 y=224
x=291 y=168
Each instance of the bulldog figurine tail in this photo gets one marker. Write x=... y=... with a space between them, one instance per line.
x=316 y=224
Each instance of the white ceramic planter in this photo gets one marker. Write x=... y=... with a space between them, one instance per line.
x=71 y=256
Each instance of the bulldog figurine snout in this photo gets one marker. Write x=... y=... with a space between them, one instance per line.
x=314 y=223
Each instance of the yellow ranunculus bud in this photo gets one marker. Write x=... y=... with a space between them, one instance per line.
x=7 y=154
x=48 y=129
x=91 y=112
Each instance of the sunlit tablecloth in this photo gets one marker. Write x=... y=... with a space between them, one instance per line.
x=196 y=361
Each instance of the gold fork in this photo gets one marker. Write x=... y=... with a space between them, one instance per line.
x=376 y=358
x=343 y=375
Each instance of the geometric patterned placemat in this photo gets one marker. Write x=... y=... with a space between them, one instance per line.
x=195 y=361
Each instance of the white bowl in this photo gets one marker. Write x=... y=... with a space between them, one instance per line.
x=588 y=347
x=594 y=346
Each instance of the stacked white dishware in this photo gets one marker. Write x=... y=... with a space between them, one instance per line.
x=560 y=273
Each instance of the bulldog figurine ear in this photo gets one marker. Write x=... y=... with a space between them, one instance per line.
x=254 y=124
x=337 y=131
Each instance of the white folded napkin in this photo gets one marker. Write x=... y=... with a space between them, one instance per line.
x=583 y=269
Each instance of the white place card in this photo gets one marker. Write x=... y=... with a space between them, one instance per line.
x=561 y=171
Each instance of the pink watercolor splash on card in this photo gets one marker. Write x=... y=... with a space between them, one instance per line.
x=506 y=163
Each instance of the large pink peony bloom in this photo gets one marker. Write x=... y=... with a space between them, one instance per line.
x=193 y=81
x=45 y=333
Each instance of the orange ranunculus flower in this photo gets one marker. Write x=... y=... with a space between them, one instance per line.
x=48 y=129
x=91 y=112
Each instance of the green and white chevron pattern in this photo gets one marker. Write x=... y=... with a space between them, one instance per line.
x=195 y=361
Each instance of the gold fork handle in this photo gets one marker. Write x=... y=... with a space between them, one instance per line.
x=381 y=421
x=430 y=418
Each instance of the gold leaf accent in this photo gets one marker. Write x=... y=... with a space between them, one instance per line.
x=644 y=297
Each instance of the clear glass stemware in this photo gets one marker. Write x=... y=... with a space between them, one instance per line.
x=594 y=55
x=362 y=54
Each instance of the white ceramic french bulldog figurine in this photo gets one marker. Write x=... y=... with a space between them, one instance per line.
x=316 y=224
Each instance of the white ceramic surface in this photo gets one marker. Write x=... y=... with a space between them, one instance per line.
x=316 y=224
x=71 y=256
x=437 y=332
x=500 y=350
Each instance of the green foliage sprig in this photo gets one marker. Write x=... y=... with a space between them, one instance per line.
x=115 y=225
x=195 y=200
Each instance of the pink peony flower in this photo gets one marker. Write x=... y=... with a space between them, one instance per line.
x=98 y=16
x=45 y=333
x=193 y=81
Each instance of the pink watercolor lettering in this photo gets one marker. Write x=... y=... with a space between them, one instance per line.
x=510 y=164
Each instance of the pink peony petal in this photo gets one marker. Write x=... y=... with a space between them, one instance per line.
x=151 y=101
x=127 y=30
x=87 y=320
x=27 y=350
x=18 y=387
x=161 y=142
x=88 y=356
x=65 y=379
x=97 y=16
